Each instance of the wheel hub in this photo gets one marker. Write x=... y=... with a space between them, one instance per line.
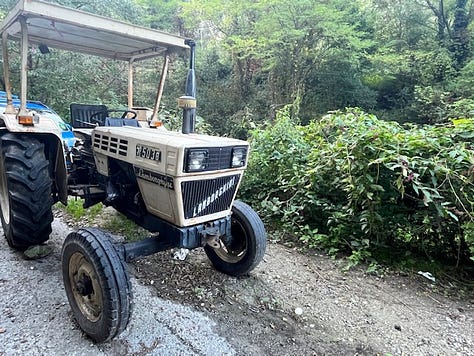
x=85 y=287
x=234 y=247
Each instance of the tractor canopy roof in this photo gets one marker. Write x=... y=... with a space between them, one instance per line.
x=78 y=31
x=50 y=25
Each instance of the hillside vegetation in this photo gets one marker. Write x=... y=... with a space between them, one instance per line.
x=352 y=182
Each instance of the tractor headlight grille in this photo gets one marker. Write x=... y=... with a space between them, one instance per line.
x=239 y=156
x=196 y=160
x=214 y=158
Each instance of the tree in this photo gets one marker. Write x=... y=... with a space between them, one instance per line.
x=453 y=19
x=422 y=47
x=163 y=15
x=277 y=47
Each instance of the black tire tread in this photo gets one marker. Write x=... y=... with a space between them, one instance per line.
x=29 y=185
x=120 y=276
x=97 y=246
x=256 y=246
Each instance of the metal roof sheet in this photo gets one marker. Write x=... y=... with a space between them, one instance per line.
x=74 y=30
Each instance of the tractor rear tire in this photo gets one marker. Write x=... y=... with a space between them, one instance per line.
x=241 y=252
x=97 y=284
x=25 y=191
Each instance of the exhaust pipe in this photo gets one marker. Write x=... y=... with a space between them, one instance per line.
x=188 y=102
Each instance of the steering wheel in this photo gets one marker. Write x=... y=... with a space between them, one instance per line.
x=125 y=113
x=98 y=118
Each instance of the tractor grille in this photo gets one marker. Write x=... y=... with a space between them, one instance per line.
x=204 y=197
x=110 y=144
x=219 y=158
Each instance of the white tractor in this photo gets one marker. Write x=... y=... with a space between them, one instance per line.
x=180 y=186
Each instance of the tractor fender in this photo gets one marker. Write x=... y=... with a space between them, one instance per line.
x=49 y=134
x=55 y=154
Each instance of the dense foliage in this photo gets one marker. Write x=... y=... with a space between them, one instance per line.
x=352 y=182
x=407 y=60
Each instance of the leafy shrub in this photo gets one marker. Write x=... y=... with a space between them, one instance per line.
x=352 y=182
x=75 y=208
x=436 y=106
x=277 y=177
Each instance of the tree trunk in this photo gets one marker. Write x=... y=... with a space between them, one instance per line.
x=460 y=37
x=438 y=11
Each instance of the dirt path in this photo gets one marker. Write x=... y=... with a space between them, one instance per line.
x=299 y=304
x=291 y=304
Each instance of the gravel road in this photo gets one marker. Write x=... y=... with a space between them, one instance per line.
x=35 y=317
x=292 y=304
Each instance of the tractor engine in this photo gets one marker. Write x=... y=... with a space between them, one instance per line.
x=117 y=188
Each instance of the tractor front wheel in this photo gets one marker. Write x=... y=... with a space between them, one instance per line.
x=97 y=284
x=243 y=250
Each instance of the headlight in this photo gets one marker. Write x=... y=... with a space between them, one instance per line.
x=197 y=160
x=239 y=155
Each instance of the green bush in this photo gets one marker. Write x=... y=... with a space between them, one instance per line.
x=277 y=179
x=351 y=182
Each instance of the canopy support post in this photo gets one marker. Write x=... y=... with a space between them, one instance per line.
x=6 y=75
x=24 y=66
x=130 y=84
x=159 y=95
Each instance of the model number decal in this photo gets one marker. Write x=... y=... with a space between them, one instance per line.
x=156 y=178
x=150 y=153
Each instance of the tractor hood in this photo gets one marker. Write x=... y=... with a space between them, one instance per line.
x=164 y=151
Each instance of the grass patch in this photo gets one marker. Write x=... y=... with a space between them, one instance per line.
x=107 y=219
x=120 y=225
x=75 y=208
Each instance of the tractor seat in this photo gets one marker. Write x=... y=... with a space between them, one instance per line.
x=81 y=113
